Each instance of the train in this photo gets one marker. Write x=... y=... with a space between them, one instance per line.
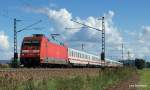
x=38 y=50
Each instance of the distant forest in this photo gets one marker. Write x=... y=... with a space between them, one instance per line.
x=4 y=61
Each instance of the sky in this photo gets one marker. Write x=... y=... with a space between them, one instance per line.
x=126 y=21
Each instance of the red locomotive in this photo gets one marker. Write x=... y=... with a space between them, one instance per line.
x=38 y=50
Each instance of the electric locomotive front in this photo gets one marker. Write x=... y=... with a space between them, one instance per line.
x=30 y=51
x=38 y=50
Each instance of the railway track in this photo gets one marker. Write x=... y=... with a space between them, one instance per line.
x=32 y=69
x=46 y=69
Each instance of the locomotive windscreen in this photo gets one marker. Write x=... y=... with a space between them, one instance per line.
x=31 y=43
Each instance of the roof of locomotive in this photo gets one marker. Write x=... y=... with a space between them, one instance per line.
x=34 y=37
x=40 y=36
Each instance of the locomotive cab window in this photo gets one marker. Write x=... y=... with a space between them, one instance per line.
x=31 y=43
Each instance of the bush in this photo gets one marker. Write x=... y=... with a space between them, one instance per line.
x=140 y=63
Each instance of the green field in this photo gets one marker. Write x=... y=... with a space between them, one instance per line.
x=144 y=82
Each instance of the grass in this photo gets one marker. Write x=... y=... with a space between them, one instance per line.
x=144 y=79
x=99 y=81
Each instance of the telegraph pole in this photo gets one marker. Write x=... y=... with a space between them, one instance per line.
x=128 y=55
x=15 y=40
x=122 y=51
x=82 y=46
x=103 y=40
x=15 y=61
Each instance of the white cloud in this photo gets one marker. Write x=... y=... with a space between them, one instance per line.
x=144 y=35
x=5 y=51
x=141 y=45
x=4 y=41
x=61 y=19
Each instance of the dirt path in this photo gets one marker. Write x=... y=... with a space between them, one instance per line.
x=127 y=84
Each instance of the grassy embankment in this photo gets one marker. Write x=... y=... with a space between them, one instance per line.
x=144 y=83
x=99 y=81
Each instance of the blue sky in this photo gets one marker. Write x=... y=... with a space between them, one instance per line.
x=129 y=20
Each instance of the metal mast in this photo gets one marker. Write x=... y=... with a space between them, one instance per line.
x=15 y=39
x=122 y=51
x=15 y=61
x=128 y=55
x=103 y=40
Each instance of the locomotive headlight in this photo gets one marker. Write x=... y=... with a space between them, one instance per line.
x=25 y=51
x=36 y=51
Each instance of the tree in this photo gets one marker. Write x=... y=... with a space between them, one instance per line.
x=147 y=64
x=139 y=63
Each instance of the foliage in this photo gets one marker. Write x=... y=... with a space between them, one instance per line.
x=147 y=64
x=144 y=79
x=140 y=63
x=100 y=81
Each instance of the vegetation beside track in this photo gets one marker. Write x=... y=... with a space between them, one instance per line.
x=144 y=83
x=79 y=80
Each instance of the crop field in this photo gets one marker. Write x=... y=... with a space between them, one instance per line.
x=62 y=79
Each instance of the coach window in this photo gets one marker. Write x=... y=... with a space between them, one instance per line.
x=75 y=54
x=72 y=53
x=69 y=53
x=79 y=55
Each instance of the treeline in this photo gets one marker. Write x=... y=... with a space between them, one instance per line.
x=141 y=63
x=147 y=64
